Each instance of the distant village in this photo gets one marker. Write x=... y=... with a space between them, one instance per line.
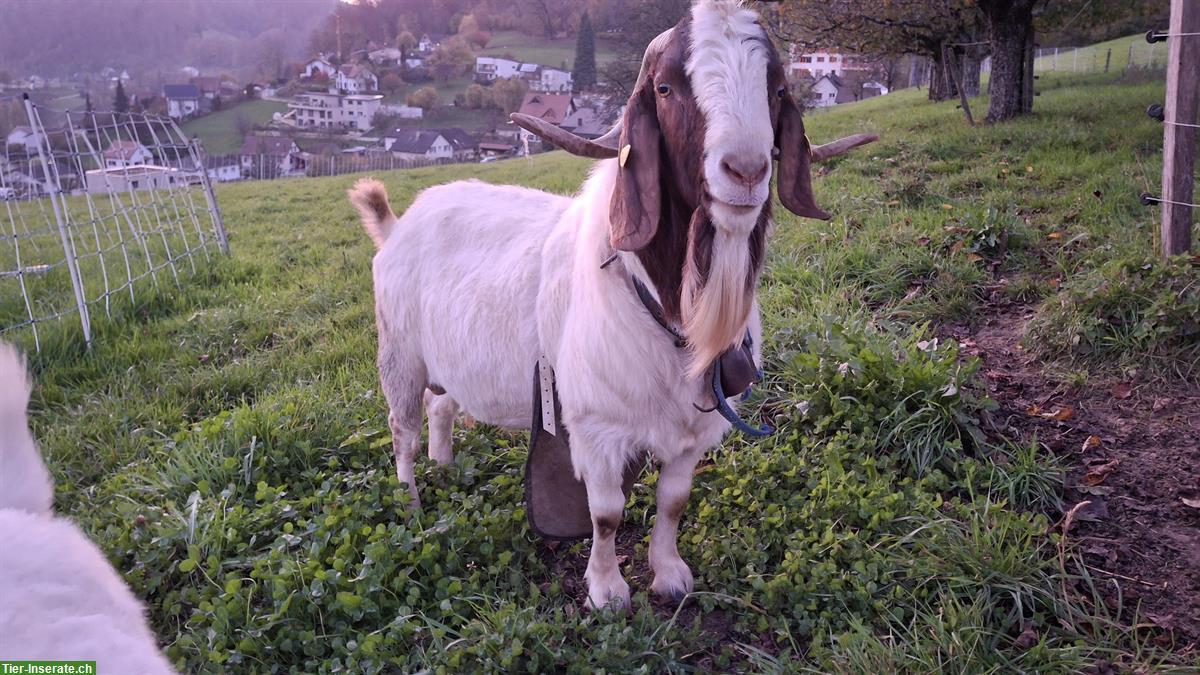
x=338 y=111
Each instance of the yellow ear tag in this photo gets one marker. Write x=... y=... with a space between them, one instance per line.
x=624 y=155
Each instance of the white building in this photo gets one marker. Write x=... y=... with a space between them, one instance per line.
x=554 y=81
x=26 y=138
x=414 y=144
x=223 y=169
x=183 y=100
x=137 y=177
x=814 y=65
x=335 y=111
x=320 y=64
x=406 y=112
x=489 y=68
x=353 y=78
x=126 y=153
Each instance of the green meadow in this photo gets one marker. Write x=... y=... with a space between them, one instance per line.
x=226 y=444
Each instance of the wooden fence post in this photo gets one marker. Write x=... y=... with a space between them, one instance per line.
x=1179 y=144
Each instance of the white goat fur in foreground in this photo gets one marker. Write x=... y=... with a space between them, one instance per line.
x=60 y=599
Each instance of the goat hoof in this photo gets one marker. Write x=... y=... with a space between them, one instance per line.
x=672 y=581
x=608 y=596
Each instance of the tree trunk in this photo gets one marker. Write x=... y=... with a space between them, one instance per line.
x=941 y=87
x=1010 y=25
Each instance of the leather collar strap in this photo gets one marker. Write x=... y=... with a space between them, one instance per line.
x=657 y=312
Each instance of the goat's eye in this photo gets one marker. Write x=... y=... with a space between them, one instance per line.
x=664 y=89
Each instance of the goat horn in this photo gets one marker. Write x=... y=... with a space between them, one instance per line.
x=841 y=146
x=604 y=147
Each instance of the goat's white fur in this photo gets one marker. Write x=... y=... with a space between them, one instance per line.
x=475 y=281
x=60 y=599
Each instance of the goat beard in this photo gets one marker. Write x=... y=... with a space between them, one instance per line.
x=719 y=276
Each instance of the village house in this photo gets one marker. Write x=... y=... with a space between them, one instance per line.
x=489 y=69
x=137 y=177
x=418 y=144
x=223 y=168
x=210 y=87
x=830 y=90
x=816 y=64
x=183 y=100
x=271 y=157
x=552 y=108
x=123 y=152
x=463 y=145
x=553 y=81
x=334 y=111
x=354 y=78
x=25 y=138
x=320 y=64
x=429 y=42
x=390 y=57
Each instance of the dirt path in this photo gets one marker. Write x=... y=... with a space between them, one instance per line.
x=1132 y=448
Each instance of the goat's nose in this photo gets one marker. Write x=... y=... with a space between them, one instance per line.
x=748 y=171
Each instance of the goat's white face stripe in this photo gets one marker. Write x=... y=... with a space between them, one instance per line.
x=727 y=66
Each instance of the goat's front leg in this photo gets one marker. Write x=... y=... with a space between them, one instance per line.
x=606 y=502
x=672 y=577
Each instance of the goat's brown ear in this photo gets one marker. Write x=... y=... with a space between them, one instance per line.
x=604 y=147
x=637 y=198
x=795 y=162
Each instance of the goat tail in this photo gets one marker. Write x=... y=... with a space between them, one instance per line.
x=25 y=483
x=370 y=197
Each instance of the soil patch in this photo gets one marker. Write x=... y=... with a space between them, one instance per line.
x=1133 y=451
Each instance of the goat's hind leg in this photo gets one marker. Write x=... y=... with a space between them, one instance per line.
x=403 y=381
x=441 y=410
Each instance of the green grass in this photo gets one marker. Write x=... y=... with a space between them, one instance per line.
x=227 y=445
x=218 y=132
x=547 y=52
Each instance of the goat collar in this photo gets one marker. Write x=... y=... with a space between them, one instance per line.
x=722 y=374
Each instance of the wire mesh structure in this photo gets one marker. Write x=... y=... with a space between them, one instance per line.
x=96 y=207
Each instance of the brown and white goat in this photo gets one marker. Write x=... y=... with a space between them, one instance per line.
x=476 y=282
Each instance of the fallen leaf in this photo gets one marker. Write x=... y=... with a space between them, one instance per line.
x=1160 y=404
x=1029 y=169
x=1027 y=638
x=1097 y=509
x=923 y=241
x=204 y=358
x=1091 y=442
x=1055 y=235
x=974 y=257
x=947 y=206
x=1122 y=390
x=1097 y=474
x=1054 y=283
x=1194 y=503
x=1034 y=410
x=1059 y=415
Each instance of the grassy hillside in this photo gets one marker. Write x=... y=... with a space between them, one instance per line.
x=547 y=52
x=227 y=445
x=219 y=133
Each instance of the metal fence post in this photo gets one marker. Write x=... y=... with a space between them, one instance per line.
x=46 y=154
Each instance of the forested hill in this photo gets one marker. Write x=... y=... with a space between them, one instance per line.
x=61 y=37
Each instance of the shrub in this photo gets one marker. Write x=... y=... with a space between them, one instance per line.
x=1125 y=311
